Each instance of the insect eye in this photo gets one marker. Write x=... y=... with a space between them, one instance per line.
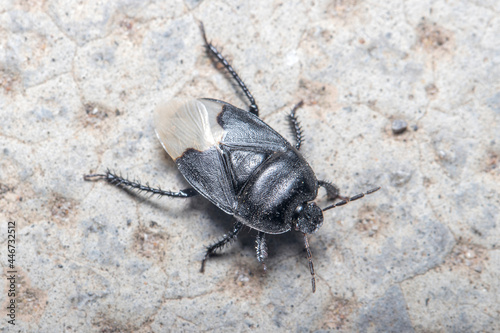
x=299 y=209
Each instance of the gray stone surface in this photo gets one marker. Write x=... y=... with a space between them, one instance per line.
x=78 y=85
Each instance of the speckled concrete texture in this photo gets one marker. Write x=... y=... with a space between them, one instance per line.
x=78 y=85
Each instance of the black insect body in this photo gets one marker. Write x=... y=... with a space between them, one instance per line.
x=240 y=164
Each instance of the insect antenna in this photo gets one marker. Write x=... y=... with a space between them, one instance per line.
x=311 y=265
x=347 y=200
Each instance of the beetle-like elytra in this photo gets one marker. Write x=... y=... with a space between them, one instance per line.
x=239 y=163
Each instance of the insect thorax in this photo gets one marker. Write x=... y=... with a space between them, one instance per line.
x=267 y=202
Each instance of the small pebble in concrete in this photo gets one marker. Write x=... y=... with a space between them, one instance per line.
x=399 y=126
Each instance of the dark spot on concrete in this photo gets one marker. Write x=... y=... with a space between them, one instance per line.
x=10 y=79
x=337 y=315
x=150 y=243
x=61 y=209
x=369 y=223
x=468 y=256
x=431 y=36
x=93 y=110
x=4 y=188
x=491 y=160
x=103 y=324
x=96 y=113
x=431 y=90
x=127 y=24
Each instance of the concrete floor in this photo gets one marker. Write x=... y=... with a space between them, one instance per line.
x=78 y=86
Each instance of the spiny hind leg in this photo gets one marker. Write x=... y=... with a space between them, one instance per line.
x=124 y=183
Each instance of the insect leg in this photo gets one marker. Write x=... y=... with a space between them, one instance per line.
x=332 y=190
x=134 y=185
x=226 y=238
x=296 y=129
x=261 y=249
x=212 y=51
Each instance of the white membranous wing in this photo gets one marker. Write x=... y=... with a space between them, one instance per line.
x=183 y=124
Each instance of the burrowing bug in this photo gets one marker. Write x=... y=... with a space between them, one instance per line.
x=240 y=164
